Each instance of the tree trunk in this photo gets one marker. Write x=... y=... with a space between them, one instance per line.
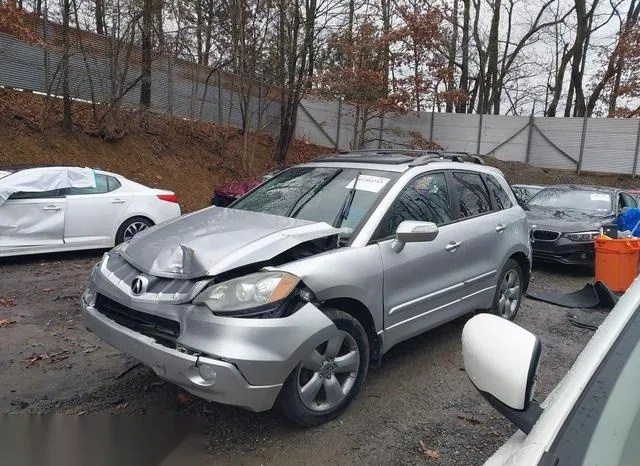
x=100 y=29
x=464 y=70
x=145 y=83
x=576 y=66
x=559 y=80
x=453 y=49
x=492 y=63
x=67 y=122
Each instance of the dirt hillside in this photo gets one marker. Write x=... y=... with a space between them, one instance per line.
x=187 y=157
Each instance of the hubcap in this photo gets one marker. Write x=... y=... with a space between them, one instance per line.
x=509 y=294
x=328 y=374
x=134 y=229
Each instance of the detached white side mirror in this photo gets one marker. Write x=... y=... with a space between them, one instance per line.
x=412 y=231
x=501 y=359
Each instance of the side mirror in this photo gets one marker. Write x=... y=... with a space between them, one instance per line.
x=411 y=231
x=501 y=359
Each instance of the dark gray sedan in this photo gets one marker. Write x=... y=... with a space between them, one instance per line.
x=564 y=220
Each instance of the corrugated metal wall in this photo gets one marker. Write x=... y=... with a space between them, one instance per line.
x=178 y=87
x=609 y=145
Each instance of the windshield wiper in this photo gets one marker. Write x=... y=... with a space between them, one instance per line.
x=346 y=204
x=312 y=191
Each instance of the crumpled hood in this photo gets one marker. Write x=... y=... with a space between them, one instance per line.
x=567 y=220
x=215 y=240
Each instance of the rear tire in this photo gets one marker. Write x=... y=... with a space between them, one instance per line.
x=322 y=386
x=506 y=302
x=132 y=227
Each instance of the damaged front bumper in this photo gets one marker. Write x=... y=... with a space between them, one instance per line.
x=236 y=361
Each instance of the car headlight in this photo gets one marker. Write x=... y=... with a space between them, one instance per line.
x=582 y=235
x=249 y=295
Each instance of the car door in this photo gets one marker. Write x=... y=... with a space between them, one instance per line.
x=481 y=230
x=29 y=219
x=423 y=278
x=94 y=214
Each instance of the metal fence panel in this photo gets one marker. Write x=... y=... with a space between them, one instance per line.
x=610 y=145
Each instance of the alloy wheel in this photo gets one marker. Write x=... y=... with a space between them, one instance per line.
x=325 y=378
x=509 y=294
x=134 y=229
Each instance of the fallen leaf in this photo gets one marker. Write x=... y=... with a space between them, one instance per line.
x=122 y=406
x=7 y=301
x=429 y=453
x=6 y=322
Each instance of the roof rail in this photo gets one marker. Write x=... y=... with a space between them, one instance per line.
x=447 y=155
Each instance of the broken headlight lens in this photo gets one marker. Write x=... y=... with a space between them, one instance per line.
x=582 y=235
x=259 y=292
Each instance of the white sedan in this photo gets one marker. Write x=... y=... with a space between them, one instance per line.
x=49 y=209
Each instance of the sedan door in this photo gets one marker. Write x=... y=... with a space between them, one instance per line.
x=423 y=278
x=29 y=219
x=94 y=214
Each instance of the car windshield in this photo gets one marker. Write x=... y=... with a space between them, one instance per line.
x=577 y=199
x=319 y=194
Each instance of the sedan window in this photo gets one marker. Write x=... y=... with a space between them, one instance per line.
x=425 y=199
x=39 y=194
x=473 y=196
x=102 y=187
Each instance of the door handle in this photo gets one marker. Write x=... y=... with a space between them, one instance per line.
x=453 y=245
x=51 y=208
x=118 y=201
x=500 y=227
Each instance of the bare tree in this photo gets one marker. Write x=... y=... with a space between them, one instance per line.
x=67 y=122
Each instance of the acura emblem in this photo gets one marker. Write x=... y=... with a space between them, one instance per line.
x=139 y=285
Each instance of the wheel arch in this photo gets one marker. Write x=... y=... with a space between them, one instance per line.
x=359 y=311
x=522 y=259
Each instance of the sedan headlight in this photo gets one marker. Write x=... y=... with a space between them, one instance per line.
x=252 y=294
x=582 y=235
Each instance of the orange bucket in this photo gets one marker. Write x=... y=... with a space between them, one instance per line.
x=617 y=262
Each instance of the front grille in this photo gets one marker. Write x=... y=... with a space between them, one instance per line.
x=545 y=235
x=121 y=273
x=164 y=331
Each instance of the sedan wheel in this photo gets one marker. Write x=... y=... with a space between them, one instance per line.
x=133 y=229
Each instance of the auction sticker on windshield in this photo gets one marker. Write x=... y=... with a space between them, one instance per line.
x=369 y=183
x=600 y=197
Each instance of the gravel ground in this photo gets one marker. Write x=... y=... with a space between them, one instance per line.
x=417 y=408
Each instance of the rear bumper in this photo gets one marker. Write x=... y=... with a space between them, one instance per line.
x=564 y=251
x=205 y=377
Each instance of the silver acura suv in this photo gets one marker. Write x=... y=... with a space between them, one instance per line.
x=288 y=295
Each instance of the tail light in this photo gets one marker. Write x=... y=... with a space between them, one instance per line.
x=168 y=197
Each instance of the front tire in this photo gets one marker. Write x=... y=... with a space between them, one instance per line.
x=506 y=302
x=321 y=387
